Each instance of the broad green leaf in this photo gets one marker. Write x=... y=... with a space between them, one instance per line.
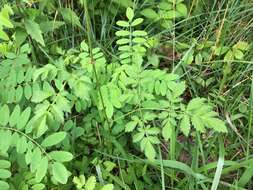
x=41 y=125
x=18 y=94
x=241 y=45
x=185 y=125
x=130 y=13
x=138 y=136
x=20 y=75
x=61 y=156
x=137 y=22
x=33 y=29
x=229 y=56
x=198 y=124
x=130 y=126
x=171 y=14
x=37 y=73
x=139 y=40
x=79 y=181
x=167 y=131
x=149 y=150
x=84 y=46
x=154 y=60
x=152 y=131
x=3 y=35
x=4 y=185
x=5 y=21
x=150 y=13
x=14 y=118
x=122 y=33
x=28 y=91
x=4 y=174
x=123 y=56
x=198 y=59
x=188 y=57
x=124 y=48
x=140 y=33
x=96 y=50
x=109 y=166
x=60 y=173
x=41 y=170
x=109 y=109
x=122 y=41
x=216 y=124
x=39 y=96
x=35 y=159
x=115 y=93
x=53 y=139
x=24 y=117
x=163 y=88
x=220 y=50
x=39 y=186
x=82 y=179
x=195 y=104
x=7 y=10
x=108 y=187
x=4 y=164
x=122 y=23
x=58 y=113
x=4 y=115
x=22 y=145
x=20 y=36
x=5 y=141
x=166 y=5
x=238 y=54
x=70 y=17
x=28 y=156
x=182 y=9
x=90 y=184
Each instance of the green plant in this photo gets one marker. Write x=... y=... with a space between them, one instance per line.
x=165 y=12
x=5 y=13
x=86 y=90
x=157 y=98
x=53 y=90
x=89 y=184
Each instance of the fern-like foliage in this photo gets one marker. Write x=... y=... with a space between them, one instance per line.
x=36 y=155
x=40 y=104
x=154 y=95
x=132 y=41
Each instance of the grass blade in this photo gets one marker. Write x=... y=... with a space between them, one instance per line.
x=249 y=119
x=220 y=164
x=246 y=176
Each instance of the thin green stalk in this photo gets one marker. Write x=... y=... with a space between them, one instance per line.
x=162 y=169
x=30 y=139
x=217 y=176
x=249 y=119
x=88 y=25
x=201 y=148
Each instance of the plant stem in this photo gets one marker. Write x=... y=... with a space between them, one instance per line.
x=88 y=25
x=249 y=119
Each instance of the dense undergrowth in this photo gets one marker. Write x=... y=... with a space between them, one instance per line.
x=122 y=94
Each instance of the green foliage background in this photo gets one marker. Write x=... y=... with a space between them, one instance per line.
x=111 y=94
